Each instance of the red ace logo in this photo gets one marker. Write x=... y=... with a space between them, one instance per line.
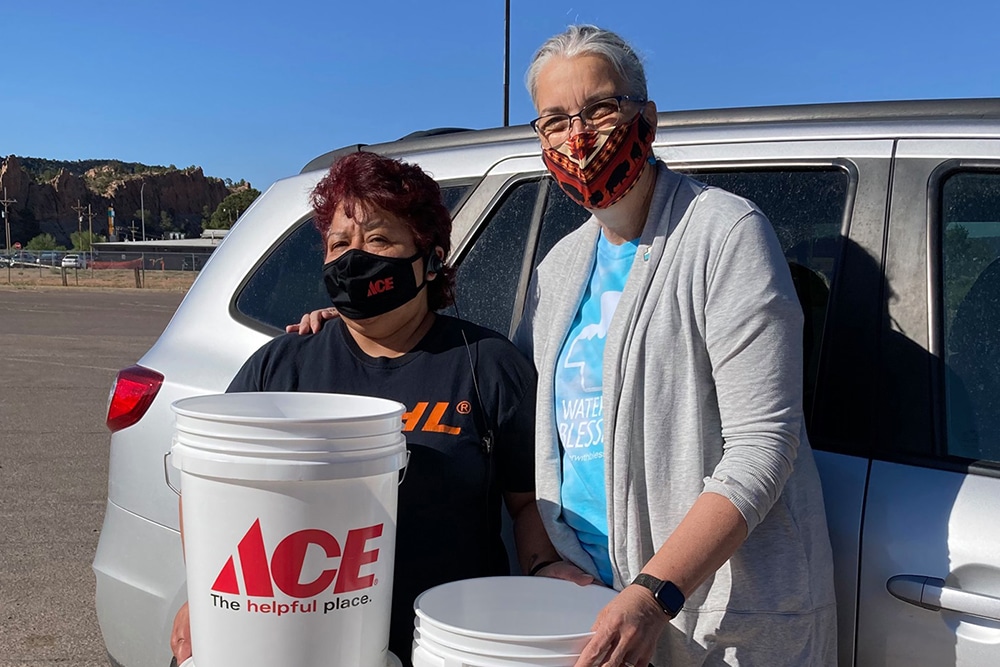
x=285 y=567
x=379 y=286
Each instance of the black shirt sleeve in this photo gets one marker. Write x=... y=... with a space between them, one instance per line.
x=512 y=381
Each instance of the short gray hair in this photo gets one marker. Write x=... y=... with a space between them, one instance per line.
x=590 y=40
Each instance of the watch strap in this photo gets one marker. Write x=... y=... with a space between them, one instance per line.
x=666 y=593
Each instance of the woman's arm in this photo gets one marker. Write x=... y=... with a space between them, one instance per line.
x=533 y=545
x=628 y=628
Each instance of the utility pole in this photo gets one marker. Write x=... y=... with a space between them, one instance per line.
x=79 y=217
x=506 y=63
x=89 y=258
x=90 y=221
x=6 y=219
x=142 y=209
x=6 y=203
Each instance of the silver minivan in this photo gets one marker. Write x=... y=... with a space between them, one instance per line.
x=889 y=216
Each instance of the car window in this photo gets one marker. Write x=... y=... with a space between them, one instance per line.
x=289 y=281
x=489 y=274
x=806 y=207
x=562 y=215
x=970 y=226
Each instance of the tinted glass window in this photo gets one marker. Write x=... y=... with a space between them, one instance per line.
x=489 y=274
x=970 y=216
x=562 y=215
x=289 y=282
x=453 y=195
x=806 y=208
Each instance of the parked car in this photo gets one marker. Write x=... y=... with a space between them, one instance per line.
x=74 y=261
x=889 y=216
x=50 y=257
x=23 y=258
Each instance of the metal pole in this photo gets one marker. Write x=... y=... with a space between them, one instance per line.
x=506 y=64
x=142 y=209
x=6 y=219
x=79 y=219
x=90 y=223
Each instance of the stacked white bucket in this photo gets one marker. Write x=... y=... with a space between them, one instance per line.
x=505 y=622
x=289 y=518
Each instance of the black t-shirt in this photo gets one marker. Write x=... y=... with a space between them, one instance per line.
x=448 y=523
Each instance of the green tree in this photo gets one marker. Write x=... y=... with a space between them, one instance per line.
x=167 y=223
x=83 y=240
x=43 y=242
x=231 y=208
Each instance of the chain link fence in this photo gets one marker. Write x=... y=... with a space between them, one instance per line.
x=104 y=269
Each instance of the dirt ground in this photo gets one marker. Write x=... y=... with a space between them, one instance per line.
x=174 y=281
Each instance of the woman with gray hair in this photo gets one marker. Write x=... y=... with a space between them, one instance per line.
x=672 y=461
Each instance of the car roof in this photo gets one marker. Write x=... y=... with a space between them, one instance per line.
x=971 y=116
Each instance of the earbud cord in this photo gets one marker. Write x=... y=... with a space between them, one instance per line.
x=487 y=441
x=488 y=436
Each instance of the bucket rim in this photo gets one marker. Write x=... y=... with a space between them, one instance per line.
x=180 y=409
x=498 y=636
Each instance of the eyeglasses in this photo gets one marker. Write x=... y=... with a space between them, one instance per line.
x=600 y=115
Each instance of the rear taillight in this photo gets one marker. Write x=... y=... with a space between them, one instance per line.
x=133 y=393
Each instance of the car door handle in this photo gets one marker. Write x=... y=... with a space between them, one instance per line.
x=931 y=593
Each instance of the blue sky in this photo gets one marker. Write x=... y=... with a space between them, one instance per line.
x=254 y=90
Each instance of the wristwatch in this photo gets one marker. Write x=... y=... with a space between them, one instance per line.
x=666 y=594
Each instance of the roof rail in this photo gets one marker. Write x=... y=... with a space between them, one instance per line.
x=969 y=108
x=436 y=132
x=972 y=108
x=425 y=140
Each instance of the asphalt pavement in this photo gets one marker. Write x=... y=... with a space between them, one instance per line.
x=59 y=352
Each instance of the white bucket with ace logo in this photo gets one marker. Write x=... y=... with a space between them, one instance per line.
x=505 y=622
x=289 y=516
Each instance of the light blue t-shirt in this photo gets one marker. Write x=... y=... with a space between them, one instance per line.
x=579 y=398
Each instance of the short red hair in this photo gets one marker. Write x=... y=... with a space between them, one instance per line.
x=404 y=190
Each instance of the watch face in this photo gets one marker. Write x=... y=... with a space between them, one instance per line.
x=670 y=598
x=667 y=595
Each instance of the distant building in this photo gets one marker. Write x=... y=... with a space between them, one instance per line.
x=167 y=254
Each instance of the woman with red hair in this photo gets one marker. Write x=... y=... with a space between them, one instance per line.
x=469 y=393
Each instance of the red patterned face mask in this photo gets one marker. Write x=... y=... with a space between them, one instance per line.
x=598 y=167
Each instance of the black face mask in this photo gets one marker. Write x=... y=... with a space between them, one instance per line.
x=363 y=285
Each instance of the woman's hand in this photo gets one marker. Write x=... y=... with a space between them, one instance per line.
x=563 y=569
x=180 y=635
x=626 y=631
x=312 y=322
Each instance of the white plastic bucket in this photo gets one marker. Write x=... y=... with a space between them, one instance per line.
x=505 y=621
x=289 y=511
x=390 y=661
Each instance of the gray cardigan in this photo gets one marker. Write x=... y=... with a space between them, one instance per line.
x=702 y=393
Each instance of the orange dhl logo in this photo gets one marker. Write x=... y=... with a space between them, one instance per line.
x=433 y=422
x=379 y=286
x=284 y=567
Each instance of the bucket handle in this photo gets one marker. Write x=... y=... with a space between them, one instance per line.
x=406 y=466
x=166 y=474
